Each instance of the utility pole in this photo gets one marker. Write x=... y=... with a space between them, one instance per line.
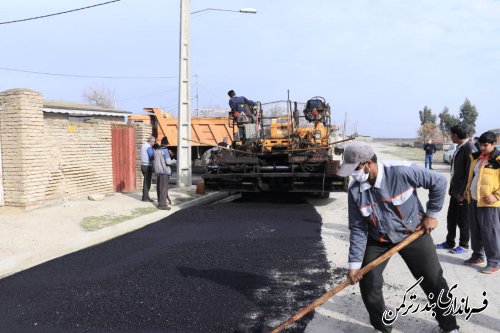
x=184 y=117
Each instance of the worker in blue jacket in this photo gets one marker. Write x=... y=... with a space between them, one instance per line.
x=243 y=112
x=383 y=210
x=162 y=162
x=147 y=158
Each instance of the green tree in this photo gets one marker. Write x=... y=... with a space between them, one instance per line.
x=426 y=116
x=447 y=121
x=468 y=115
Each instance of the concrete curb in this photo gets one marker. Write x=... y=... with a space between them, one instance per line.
x=24 y=261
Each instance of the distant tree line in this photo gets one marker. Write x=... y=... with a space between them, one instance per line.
x=429 y=129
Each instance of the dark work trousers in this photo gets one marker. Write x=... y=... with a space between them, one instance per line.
x=421 y=258
x=458 y=216
x=162 y=185
x=147 y=173
x=485 y=233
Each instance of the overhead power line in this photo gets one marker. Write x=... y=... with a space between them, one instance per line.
x=54 y=14
x=148 y=95
x=90 y=76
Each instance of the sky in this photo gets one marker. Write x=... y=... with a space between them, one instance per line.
x=376 y=62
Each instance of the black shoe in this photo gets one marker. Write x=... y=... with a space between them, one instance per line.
x=148 y=200
x=164 y=207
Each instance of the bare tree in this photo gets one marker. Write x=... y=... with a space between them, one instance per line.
x=103 y=97
x=428 y=131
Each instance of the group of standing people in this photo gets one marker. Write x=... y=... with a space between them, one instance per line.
x=475 y=201
x=474 y=192
x=384 y=209
x=158 y=158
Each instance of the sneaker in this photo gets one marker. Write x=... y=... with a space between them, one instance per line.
x=489 y=270
x=474 y=262
x=444 y=246
x=452 y=331
x=459 y=250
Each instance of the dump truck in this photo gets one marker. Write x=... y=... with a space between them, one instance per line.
x=205 y=132
x=278 y=148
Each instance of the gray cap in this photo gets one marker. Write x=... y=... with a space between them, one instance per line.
x=355 y=153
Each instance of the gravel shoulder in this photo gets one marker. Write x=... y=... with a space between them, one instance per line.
x=345 y=312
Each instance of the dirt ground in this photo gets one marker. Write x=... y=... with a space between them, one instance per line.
x=345 y=312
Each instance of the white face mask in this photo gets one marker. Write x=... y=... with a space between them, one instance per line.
x=360 y=175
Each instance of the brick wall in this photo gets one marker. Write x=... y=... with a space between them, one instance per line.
x=46 y=158
x=80 y=157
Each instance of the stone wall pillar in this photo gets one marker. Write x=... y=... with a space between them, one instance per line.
x=23 y=149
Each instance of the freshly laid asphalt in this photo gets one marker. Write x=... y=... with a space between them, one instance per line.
x=243 y=266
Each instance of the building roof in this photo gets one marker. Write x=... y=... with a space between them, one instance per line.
x=81 y=109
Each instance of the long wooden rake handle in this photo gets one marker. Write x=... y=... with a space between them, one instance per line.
x=329 y=294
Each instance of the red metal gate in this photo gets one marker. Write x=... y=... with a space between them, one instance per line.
x=123 y=151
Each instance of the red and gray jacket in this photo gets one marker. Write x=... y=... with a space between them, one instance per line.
x=390 y=210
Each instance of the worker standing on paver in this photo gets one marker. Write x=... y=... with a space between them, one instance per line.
x=242 y=109
x=147 y=157
x=383 y=210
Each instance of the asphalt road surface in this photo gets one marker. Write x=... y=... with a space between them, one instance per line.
x=243 y=266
